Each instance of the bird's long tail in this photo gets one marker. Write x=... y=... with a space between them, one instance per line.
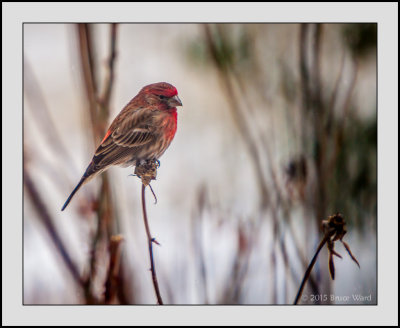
x=91 y=171
x=83 y=179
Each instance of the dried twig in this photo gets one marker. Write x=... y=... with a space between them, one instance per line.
x=340 y=130
x=105 y=98
x=334 y=230
x=237 y=114
x=47 y=221
x=112 y=281
x=197 y=235
x=147 y=171
x=98 y=112
x=240 y=267
x=43 y=118
x=89 y=76
x=309 y=269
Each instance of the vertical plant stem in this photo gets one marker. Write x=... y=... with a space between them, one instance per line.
x=238 y=116
x=309 y=269
x=111 y=292
x=89 y=76
x=108 y=84
x=43 y=118
x=150 y=241
x=99 y=109
x=47 y=221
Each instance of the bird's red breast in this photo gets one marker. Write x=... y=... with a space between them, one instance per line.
x=170 y=123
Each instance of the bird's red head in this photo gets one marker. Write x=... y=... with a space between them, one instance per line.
x=163 y=93
x=160 y=88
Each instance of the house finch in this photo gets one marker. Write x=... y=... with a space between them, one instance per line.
x=142 y=131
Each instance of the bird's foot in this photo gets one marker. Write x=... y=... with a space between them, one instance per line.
x=147 y=171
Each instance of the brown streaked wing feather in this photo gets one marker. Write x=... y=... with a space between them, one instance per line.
x=135 y=129
x=134 y=138
x=116 y=156
x=130 y=131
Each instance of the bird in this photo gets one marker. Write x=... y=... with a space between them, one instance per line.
x=142 y=131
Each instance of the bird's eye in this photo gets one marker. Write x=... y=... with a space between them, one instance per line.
x=162 y=97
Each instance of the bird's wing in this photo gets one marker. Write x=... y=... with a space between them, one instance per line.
x=132 y=138
x=129 y=131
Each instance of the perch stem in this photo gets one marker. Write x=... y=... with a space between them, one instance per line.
x=310 y=267
x=150 y=241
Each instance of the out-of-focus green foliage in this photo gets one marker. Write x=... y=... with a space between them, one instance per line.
x=354 y=181
x=232 y=50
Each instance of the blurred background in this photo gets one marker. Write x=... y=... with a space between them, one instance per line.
x=277 y=132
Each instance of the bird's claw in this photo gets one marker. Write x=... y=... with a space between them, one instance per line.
x=146 y=171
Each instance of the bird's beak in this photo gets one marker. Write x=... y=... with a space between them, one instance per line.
x=174 y=101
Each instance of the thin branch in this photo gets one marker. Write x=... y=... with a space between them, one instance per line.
x=112 y=281
x=125 y=285
x=302 y=258
x=309 y=269
x=106 y=95
x=197 y=235
x=43 y=118
x=150 y=241
x=333 y=100
x=238 y=116
x=240 y=266
x=334 y=230
x=89 y=76
x=98 y=112
x=47 y=221
x=339 y=132
x=147 y=171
